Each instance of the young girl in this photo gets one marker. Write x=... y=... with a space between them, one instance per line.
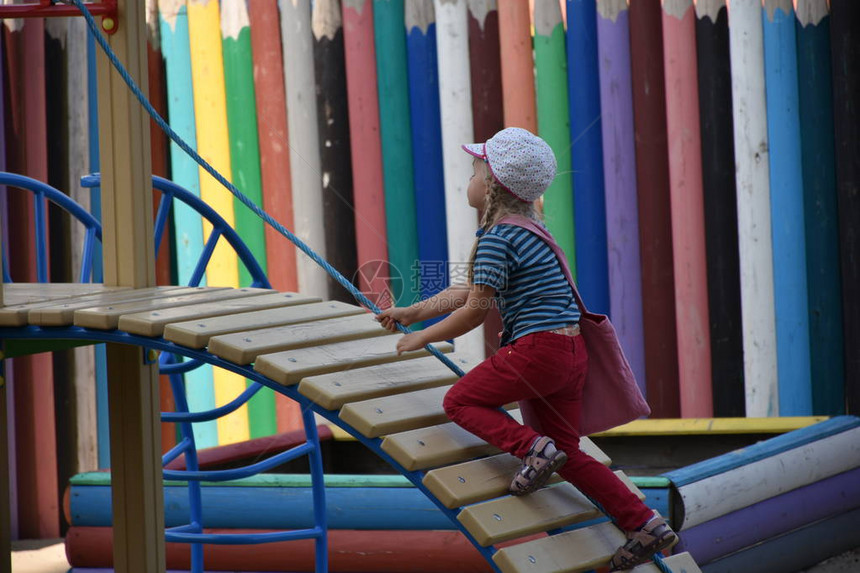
x=542 y=360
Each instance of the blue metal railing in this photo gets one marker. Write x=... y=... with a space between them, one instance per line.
x=171 y=365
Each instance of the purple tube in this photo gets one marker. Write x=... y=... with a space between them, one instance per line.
x=619 y=169
x=771 y=517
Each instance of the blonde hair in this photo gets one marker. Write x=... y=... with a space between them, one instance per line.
x=499 y=204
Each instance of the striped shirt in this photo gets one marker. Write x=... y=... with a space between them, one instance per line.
x=531 y=289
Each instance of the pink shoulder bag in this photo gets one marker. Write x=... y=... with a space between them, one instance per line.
x=610 y=396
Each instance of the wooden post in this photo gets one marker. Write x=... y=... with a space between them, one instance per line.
x=129 y=260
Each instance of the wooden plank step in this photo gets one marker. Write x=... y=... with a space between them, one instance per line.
x=680 y=563
x=486 y=478
x=291 y=366
x=245 y=347
x=152 y=322
x=398 y=413
x=510 y=517
x=568 y=552
x=442 y=445
x=332 y=391
x=107 y=317
x=62 y=313
x=19 y=314
x=197 y=333
x=15 y=294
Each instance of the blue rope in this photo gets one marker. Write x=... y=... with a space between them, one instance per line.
x=357 y=294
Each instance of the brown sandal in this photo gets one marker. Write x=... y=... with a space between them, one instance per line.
x=642 y=544
x=539 y=464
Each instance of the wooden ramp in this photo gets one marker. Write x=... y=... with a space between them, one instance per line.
x=336 y=357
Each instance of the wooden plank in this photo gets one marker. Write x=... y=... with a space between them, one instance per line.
x=820 y=207
x=572 y=551
x=366 y=149
x=107 y=317
x=398 y=413
x=444 y=444
x=152 y=323
x=686 y=206
x=197 y=333
x=244 y=347
x=332 y=391
x=29 y=293
x=754 y=219
x=619 y=174
x=60 y=313
x=17 y=314
x=291 y=366
x=693 y=426
x=553 y=113
x=549 y=508
x=455 y=114
x=485 y=478
x=652 y=186
x=720 y=203
x=129 y=261
x=791 y=298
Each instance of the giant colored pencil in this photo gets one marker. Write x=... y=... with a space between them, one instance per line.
x=786 y=208
x=553 y=112
x=305 y=171
x=485 y=72
x=35 y=436
x=619 y=171
x=827 y=365
x=753 y=192
x=274 y=165
x=242 y=127
x=395 y=131
x=845 y=51
x=187 y=224
x=772 y=517
x=431 y=274
x=688 y=217
x=455 y=99
x=371 y=551
x=366 y=149
x=333 y=129
x=720 y=201
x=587 y=155
x=245 y=165
x=515 y=49
x=210 y=109
x=272 y=133
x=268 y=506
x=652 y=187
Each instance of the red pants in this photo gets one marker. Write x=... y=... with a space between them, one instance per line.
x=545 y=373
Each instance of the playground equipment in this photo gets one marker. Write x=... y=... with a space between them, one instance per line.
x=335 y=360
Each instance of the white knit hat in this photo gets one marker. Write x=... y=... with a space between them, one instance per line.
x=520 y=161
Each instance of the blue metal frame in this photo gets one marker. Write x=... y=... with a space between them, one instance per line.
x=170 y=365
x=309 y=408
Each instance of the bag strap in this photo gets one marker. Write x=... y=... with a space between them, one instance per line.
x=528 y=224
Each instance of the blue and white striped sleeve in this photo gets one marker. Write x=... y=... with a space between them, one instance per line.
x=493 y=261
